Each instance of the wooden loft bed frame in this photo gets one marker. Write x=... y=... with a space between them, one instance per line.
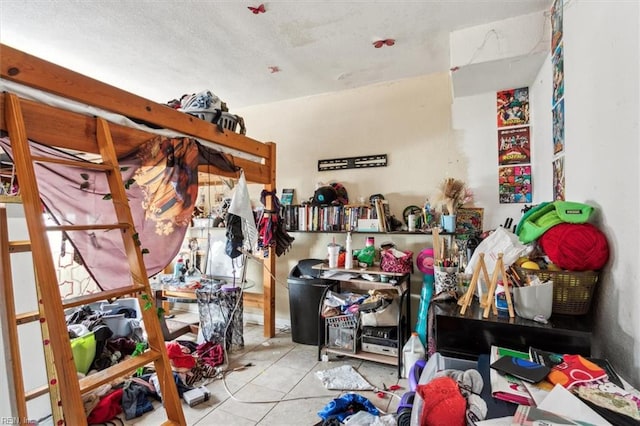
x=64 y=129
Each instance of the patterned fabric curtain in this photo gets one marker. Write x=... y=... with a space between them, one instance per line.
x=161 y=178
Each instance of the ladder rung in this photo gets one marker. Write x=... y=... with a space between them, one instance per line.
x=73 y=163
x=27 y=317
x=102 y=295
x=11 y=199
x=118 y=370
x=19 y=246
x=87 y=227
x=34 y=393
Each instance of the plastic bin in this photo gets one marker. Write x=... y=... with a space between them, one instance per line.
x=305 y=294
x=118 y=315
x=436 y=363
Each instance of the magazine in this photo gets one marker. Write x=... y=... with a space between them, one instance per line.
x=505 y=386
x=611 y=397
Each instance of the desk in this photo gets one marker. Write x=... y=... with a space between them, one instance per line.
x=467 y=336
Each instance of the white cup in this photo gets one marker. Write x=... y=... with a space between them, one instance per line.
x=333 y=251
x=411 y=222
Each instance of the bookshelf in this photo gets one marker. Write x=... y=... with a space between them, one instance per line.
x=340 y=218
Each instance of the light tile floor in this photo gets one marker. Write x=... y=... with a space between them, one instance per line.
x=280 y=388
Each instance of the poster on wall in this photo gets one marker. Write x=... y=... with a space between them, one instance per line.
x=515 y=184
x=469 y=222
x=558 y=178
x=514 y=146
x=558 y=127
x=513 y=107
x=556 y=24
x=557 y=62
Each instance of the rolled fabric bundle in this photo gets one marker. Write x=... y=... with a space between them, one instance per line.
x=576 y=247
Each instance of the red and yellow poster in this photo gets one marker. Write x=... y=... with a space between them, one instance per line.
x=514 y=146
x=513 y=107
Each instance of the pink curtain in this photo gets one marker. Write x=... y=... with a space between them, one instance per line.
x=161 y=178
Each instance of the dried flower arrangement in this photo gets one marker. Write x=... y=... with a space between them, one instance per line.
x=451 y=195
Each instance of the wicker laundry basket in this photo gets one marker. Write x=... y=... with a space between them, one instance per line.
x=572 y=291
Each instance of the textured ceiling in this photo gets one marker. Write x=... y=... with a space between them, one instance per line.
x=161 y=49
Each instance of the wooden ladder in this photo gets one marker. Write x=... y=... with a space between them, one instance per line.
x=65 y=388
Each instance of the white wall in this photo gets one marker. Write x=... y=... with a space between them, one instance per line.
x=601 y=49
x=410 y=120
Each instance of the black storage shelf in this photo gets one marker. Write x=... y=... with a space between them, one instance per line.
x=402 y=324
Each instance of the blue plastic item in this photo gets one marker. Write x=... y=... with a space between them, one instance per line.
x=425 y=299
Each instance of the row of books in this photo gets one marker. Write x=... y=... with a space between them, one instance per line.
x=347 y=217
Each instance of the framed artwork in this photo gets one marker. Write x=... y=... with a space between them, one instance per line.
x=468 y=222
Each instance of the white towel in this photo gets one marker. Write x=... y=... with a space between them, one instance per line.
x=241 y=206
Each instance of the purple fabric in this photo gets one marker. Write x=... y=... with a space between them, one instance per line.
x=162 y=200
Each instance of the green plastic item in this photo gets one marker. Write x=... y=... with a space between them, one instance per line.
x=546 y=215
x=83 y=349
x=367 y=255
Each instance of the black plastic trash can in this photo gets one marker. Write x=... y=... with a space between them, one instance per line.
x=305 y=293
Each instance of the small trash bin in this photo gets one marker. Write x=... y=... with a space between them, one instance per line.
x=305 y=293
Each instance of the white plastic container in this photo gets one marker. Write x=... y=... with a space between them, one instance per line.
x=412 y=351
x=348 y=257
x=435 y=364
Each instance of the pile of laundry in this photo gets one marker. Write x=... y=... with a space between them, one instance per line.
x=208 y=107
x=190 y=362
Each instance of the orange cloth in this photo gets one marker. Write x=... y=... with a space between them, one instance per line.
x=575 y=369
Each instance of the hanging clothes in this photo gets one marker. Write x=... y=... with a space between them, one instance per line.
x=271 y=227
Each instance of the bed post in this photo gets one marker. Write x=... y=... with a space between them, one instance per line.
x=268 y=281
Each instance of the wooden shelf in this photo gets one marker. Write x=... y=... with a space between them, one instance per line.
x=369 y=356
x=374 y=270
x=371 y=232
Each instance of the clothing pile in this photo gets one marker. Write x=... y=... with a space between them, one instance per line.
x=190 y=362
x=208 y=107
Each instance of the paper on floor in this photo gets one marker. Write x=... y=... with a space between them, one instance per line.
x=344 y=377
x=562 y=402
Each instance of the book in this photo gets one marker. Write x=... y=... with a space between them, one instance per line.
x=505 y=386
x=614 y=399
x=287 y=196
x=550 y=359
x=523 y=369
